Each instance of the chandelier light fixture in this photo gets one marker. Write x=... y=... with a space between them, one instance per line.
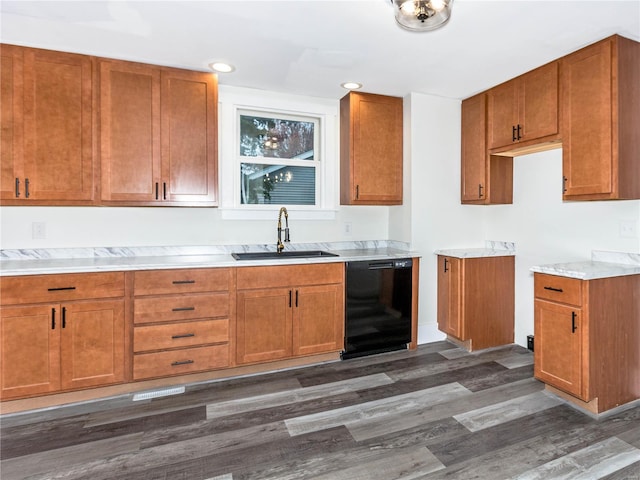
x=422 y=15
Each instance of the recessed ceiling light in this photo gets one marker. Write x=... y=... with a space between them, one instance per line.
x=351 y=85
x=222 y=67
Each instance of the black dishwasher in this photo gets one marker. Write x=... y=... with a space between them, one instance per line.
x=378 y=306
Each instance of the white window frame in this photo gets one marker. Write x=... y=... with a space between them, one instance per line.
x=316 y=163
x=233 y=101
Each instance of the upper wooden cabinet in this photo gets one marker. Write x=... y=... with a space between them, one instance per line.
x=601 y=121
x=370 y=149
x=586 y=102
x=486 y=179
x=47 y=127
x=158 y=135
x=524 y=111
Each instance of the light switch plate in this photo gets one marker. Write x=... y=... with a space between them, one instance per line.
x=38 y=230
x=628 y=229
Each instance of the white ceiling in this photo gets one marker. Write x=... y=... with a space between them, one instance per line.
x=309 y=47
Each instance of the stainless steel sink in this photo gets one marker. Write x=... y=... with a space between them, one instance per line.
x=283 y=255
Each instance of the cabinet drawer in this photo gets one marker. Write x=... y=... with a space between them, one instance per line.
x=180 y=334
x=558 y=289
x=177 y=362
x=160 y=282
x=59 y=288
x=180 y=307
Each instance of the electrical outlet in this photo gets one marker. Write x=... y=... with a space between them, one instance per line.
x=628 y=229
x=38 y=230
x=347 y=229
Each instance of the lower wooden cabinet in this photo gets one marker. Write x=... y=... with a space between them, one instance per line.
x=60 y=333
x=586 y=338
x=181 y=321
x=287 y=311
x=476 y=300
x=47 y=348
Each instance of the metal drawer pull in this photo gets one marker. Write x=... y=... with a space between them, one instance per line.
x=183 y=309
x=17 y=188
x=53 y=319
x=182 y=282
x=184 y=362
x=573 y=322
x=184 y=335
x=553 y=289
x=58 y=289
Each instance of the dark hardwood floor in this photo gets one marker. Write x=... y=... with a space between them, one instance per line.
x=438 y=412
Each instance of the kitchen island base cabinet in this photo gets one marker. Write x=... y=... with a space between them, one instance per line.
x=476 y=300
x=587 y=336
x=289 y=311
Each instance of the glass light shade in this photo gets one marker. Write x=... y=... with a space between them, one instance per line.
x=422 y=15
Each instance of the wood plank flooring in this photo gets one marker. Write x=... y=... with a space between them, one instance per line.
x=434 y=413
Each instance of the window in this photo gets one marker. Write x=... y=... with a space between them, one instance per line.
x=279 y=159
x=277 y=150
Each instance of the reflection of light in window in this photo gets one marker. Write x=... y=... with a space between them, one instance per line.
x=271 y=143
x=288 y=176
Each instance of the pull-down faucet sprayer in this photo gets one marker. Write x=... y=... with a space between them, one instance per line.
x=280 y=245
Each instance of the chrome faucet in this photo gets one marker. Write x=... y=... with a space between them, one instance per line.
x=280 y=245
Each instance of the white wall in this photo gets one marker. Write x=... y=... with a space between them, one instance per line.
x=548 y=230
x=438 y=219
x=153 y=226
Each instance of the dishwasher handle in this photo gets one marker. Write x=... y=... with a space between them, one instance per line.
x=380 y=265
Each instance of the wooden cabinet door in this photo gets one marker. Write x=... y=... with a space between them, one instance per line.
x=502 y=104
x=130 y=132
x=47 y=127
x=450 y=296
x=587 y=121
x=559 y=331
x=58 y=127
x=525 y=109
x=92 y=343
x=11 y=128
x=538 y=103
x=371 y=149
x=318 y=322
x=189 y=133
x=30 y=350
x=474 y=149
x=264 y=322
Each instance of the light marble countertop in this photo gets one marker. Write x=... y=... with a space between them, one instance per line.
x=52 y=261
x=602 y=265
x=491 y=249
